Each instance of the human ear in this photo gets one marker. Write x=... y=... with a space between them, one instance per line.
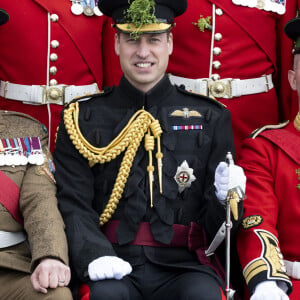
x=170 y=43
x=117 y=44
x=292 y=79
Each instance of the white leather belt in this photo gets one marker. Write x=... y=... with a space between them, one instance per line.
x=42 y=94
x=292 y=268
x=8 y=239
x=225 y=88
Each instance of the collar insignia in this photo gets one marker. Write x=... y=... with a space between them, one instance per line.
x=186 y=113
x=184 y=176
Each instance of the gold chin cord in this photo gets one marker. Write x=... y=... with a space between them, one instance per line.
x=128 y=140
x=297 y=121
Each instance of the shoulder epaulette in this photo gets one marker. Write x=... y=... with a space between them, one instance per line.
x=21 y=115
x=26 y=116
x=101 y=93
x=258 y=131
x=204 y=97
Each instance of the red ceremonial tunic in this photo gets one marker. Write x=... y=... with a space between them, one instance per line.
x=245 y=43
x=271 y=163
x=83 y=56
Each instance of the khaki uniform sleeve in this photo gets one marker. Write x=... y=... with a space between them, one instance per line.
x=38 y=204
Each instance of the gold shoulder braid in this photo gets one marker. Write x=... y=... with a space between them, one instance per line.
x=129 y=139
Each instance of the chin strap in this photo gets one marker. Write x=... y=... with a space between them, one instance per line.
x=129 y=141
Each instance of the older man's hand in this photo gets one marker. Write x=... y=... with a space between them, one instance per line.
x=50 y=273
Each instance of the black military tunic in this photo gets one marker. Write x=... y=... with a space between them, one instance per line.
x=196 y=129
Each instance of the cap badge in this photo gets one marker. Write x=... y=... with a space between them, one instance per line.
x=184 y=176
x=140 y=13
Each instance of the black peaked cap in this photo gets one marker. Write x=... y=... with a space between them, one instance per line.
x=164 y=9
x=3 y=16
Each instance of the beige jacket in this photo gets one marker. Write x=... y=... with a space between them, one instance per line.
x=43 y=223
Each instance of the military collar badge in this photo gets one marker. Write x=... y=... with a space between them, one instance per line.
x=186 y=113
x=87 y=7
x=184 y=176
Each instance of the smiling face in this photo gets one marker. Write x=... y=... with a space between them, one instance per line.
x=144 y=60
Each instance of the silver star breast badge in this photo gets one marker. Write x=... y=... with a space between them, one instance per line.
x=184 y=176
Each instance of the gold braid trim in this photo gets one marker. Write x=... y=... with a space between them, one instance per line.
x=129 y=138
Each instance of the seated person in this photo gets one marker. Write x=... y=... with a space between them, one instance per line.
x=33 y=246
x=137 y=215
x=268 y=241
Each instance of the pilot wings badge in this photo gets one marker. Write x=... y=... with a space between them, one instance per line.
x=186 y=113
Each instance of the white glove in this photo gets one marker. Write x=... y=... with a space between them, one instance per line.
x=292 y=268
x=268 y=290
x=107 y=267
x=228 y=177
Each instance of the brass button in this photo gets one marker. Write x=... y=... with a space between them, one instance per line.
x=54 y=18
x=216 y=65
x=53 y=82
x=219 y=11
x=218 y=37
x=53 y=57
x=217 y=51
x=54 y=44
x=53 y=70
x=215 y=77
x=260 y=4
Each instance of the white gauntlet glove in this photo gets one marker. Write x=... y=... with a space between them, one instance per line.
x=107 y=267
x=228 y=177
x=268 y=290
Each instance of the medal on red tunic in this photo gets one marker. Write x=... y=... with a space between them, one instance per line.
x=76 y=7
x=97 y=11
x=277 y=6
x=87 y=7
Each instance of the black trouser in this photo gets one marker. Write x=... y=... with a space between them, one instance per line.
x=150 y=281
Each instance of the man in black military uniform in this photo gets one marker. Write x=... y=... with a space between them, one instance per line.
x=145 y=157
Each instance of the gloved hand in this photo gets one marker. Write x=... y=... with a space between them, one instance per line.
x=228 y=177
x=107 y=267
x=268 y=290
